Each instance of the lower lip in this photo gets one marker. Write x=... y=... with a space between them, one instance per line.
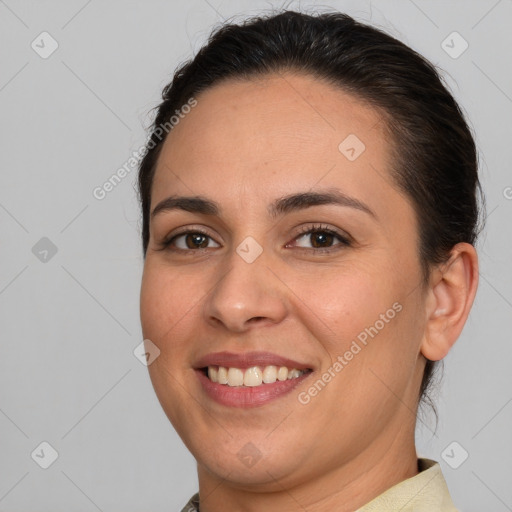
x=245 y=397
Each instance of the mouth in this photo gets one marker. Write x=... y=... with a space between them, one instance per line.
x=249 y=379
x=253 y=376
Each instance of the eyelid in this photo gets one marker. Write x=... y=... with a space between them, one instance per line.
x=319 y=227
x=185 y=230
x=344 y=238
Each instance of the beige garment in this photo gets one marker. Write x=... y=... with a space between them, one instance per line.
x=425 y=492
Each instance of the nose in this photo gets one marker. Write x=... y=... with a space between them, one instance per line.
x=246 y=295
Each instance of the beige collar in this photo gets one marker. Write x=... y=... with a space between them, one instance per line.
x=425 y=492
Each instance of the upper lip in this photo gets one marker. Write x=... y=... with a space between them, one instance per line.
x=246 y=360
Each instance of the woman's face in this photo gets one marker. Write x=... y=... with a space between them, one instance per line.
x=342 y=304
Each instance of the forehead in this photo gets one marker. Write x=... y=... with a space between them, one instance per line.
x=273 y=131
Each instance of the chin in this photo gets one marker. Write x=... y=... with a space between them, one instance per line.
x=263 y=474
x=245 y=463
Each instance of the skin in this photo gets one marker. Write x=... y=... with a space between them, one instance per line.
x=245 y=144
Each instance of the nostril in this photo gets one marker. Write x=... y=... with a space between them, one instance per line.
x=255 y=318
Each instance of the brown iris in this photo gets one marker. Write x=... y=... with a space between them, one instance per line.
x=322 y=237
x=193 y=239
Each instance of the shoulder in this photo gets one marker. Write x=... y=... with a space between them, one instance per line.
x=192 y=504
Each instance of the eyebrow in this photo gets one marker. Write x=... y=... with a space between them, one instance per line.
x=281 y=206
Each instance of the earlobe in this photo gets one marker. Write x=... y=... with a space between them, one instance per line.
x=452 y=291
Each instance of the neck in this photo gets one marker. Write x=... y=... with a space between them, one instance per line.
x=386 y=462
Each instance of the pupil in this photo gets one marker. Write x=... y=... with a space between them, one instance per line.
x=196 y=239
x=320 y=236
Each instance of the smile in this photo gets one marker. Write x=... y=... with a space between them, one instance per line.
x=253 y=376
x=249 y=379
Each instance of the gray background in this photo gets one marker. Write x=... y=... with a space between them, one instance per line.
x=70 y=320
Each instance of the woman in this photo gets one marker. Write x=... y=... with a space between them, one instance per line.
x=309 y=219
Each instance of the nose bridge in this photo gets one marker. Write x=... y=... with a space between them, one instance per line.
x=247 y=289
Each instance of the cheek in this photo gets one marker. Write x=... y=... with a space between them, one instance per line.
x=347 y=300
x=369 y=318
x=167 y=299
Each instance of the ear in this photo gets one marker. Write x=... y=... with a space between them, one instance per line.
x=451 y=293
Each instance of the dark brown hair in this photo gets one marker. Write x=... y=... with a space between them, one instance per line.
x=434 y=154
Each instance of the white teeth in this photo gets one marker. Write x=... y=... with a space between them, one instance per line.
x=293 y=374
x=235 y=377
x=252 y=377
x=282 y=373
x=269 y=374
x=222 y=375
x=213 y=373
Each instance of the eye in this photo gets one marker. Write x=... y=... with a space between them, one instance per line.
x=321 y=238
x=189 y=240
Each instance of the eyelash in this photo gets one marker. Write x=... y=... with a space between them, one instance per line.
x=307 y=230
